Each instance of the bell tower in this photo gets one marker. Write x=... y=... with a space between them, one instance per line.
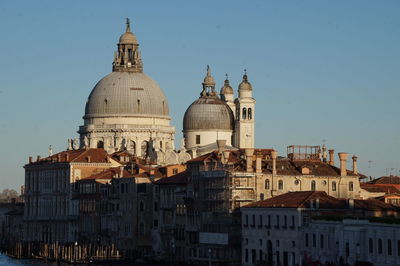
x=244 y=115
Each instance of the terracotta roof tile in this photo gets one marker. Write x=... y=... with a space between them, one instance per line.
x=386 y=180
x=81 y=155
x=300 y=199
x=379 y=188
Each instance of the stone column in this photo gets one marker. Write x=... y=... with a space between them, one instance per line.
x=343 y=160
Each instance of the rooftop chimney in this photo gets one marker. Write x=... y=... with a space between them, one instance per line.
x=274 y=155
x=355 y=170
x=30 y=159
x=59 y=157
x=89 y=159
x=66 y=157
x=226 y=156
x=221 y=145
x=38 y=158
x=343 y=161
x=331 y=157
x=249 y=159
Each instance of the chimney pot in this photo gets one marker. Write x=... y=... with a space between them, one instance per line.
x=343 y=161
x=274 y=155
x=331 y=157
x=221 y=145
x=38 y=158
x=89 y=159
x=30 y=159
x=355 y=170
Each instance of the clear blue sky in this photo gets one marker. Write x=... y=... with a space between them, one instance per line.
x=321 y=70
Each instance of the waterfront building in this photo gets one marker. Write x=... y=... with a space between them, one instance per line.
x=50 y=214
x=302 y=228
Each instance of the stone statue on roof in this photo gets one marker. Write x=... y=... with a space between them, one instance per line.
x=85 y=142
x=69 y=144
x=75 y=144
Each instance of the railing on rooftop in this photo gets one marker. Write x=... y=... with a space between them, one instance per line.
x=304 y=153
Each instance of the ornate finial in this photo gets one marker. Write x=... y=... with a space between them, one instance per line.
x=245 y=75
x=226 y=83
x=208 y=70
x=128 y=25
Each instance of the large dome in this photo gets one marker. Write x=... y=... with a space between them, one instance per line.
x=208 y=113
x=126 y=94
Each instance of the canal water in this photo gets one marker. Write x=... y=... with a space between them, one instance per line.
x=5 y=260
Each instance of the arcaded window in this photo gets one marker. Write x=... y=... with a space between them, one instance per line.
x=249 y=114
x=132 y=147
x=197 y=139
x=351 y=186
x=280 y=185
x=244 y=112
x=313 y=186
x=333 y=186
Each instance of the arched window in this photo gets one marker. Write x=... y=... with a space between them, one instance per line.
x=100 y=144
x=132 y=147
x=333 y=186
x=266 y=183
x=244 y=113
x=280 y=185
x=141 y=206
x=144 y=149
x=351 y=186
x=249 y=114
x=313 y=186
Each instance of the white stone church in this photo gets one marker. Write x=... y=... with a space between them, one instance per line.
x=127 y=110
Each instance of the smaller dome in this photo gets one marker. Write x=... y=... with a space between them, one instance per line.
x=226 y=89
x=128 y=38
x=208 y=113
x=245 y=85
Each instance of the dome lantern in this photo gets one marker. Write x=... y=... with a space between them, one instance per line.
x=128 y=58
x=208 y=85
